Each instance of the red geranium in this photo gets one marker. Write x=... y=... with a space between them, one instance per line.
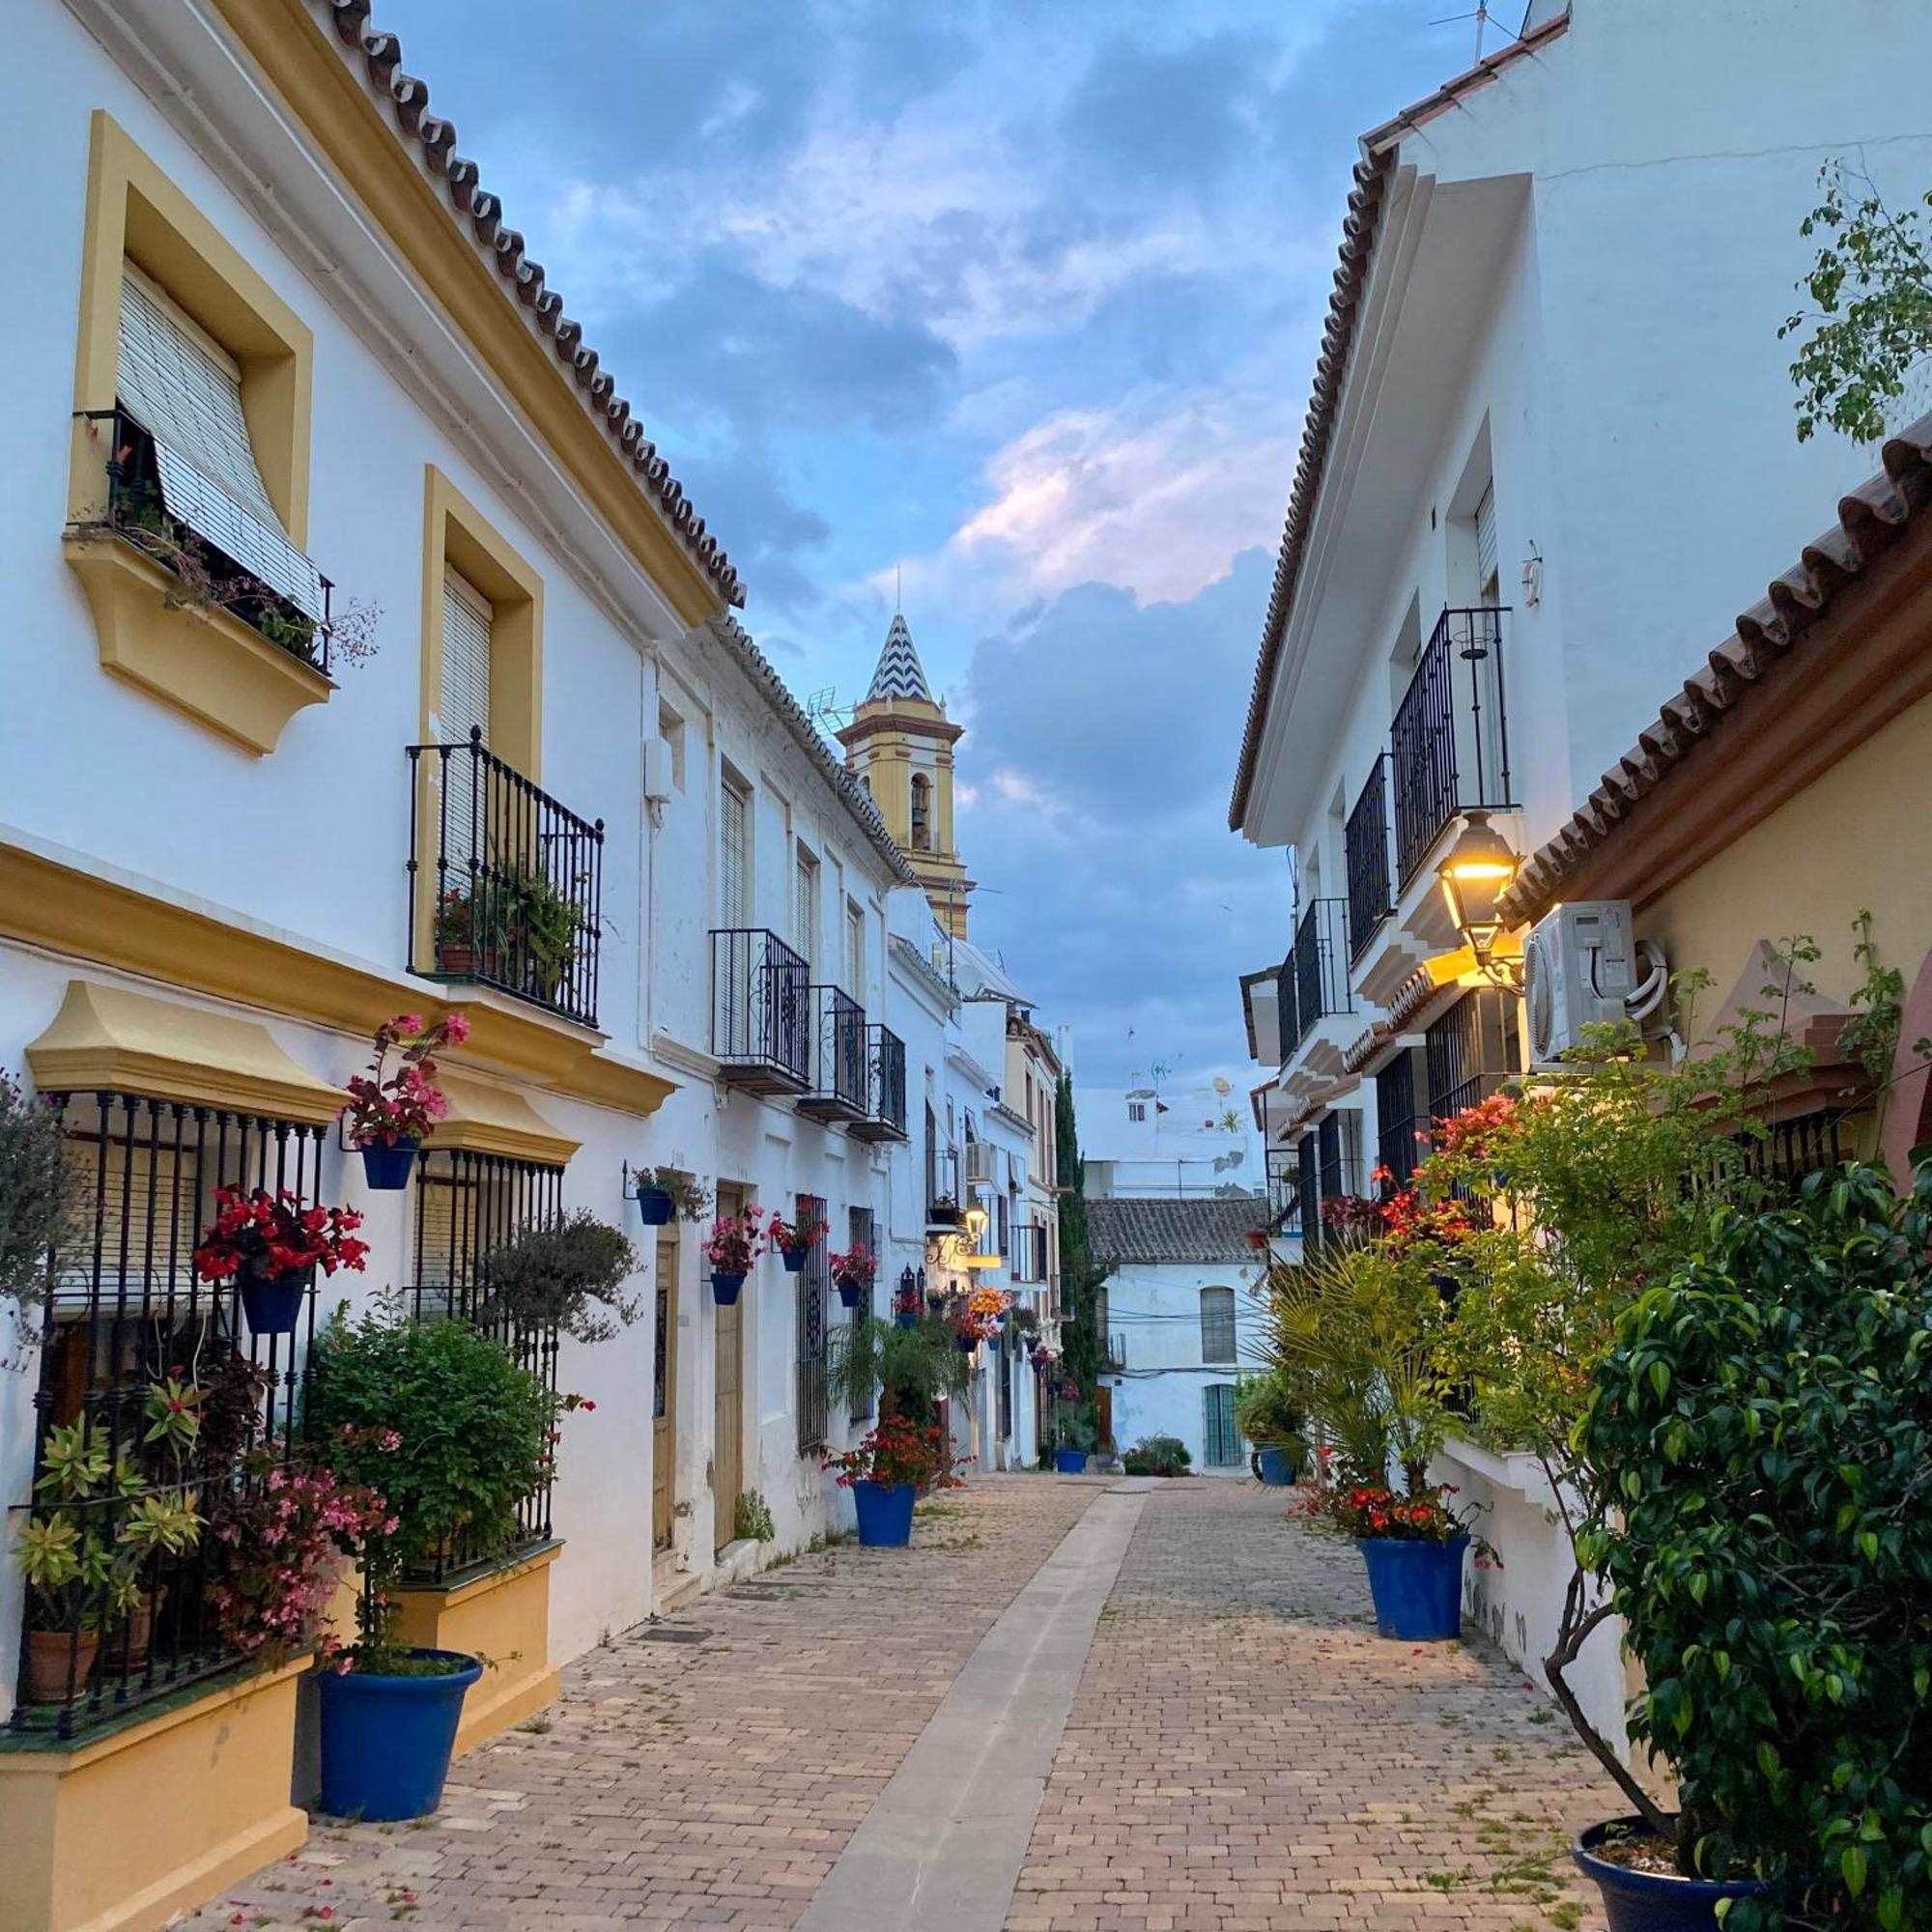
x=386 y=1107
x=795 y=1237
x=275 y=1234
x=1368 y=1510
x=896 y=1452
x=857 y=1268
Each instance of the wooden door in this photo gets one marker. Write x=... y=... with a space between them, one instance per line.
x=727 y=1423
x=664 y=1411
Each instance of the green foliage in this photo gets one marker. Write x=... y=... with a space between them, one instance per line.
x=1157 y=1455
x=439 y=1420
x=912 y=1367
x=690 y=1200
x=1871 y=1036
x=568 y=1274
x=1871 y=319
x=1083 y=1346
x=40 y=1195
x=750 y=1519
x=1763 y=1426
x=1266 y=1412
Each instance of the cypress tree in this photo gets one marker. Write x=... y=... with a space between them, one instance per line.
x=1080 y=1275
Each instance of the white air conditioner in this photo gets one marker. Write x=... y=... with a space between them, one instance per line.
x=982 y=1164
x=659 y=770
x=1579 y=968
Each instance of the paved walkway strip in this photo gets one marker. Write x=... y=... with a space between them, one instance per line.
x=943 y=1842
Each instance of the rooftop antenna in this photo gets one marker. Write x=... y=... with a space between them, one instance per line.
x=1481 y=17
x=899 y=590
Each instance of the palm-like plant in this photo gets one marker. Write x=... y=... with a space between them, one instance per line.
x=913 y=1367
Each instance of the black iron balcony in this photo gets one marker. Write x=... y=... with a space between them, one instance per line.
x=760 y=1011
x=515 y=881
x=1368 y=855
x=1288 y=1007
x=838 y=1074
x=942 y=1187
x=1283 y=1189
x=884 y=1117
x=1320 y=956
x=1449 y=744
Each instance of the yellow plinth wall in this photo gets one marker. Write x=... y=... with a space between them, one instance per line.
x=504 y=1616
x=119 y=1834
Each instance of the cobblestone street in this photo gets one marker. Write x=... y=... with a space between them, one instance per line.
x=1241 y=1750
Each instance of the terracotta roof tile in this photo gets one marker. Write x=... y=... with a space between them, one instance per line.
x=482 y=213
x=1126 y=1229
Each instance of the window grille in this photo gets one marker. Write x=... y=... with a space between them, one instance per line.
x=125 y=1312
x=1399 y=1125
x=811 y=1282
x=861 y=1227
x=922 y=813
x=1222 y=1441
x=1471 y=1051
x=1217 y=1324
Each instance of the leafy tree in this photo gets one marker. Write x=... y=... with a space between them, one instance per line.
x=1081 y=1276
x=1871 y=314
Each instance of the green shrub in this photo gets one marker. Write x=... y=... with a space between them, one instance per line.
x=1158 y=1456
x=1266 y=1412
x=568 y=1274
x=750 y=1519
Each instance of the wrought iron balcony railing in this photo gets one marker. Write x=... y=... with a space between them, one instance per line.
x=1449 y=744
x=760 y=1011
x=885 y=1115
x=1320 y=956
x=516 y=882
x=1288 y=1005
x=837 y=1089
x=942 y=1187
x=1367 y=840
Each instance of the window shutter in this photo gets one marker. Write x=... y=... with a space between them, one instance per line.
x=466 y=619
x=186 y=393
x=1485 y=545
x=734 y=856
x=155 y=1195
x=1217 y=1324
x=805 y=908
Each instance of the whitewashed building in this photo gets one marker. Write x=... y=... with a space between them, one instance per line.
x=1551 y=430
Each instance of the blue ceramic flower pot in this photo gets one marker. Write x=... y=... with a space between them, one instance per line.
x=654 y=1206
x=275 y=1307
x=387 y=1740
x=885 y=1514
x=1417 y=1586
x=725 y=1287
x=849 y=1293
x=907 y=1318
x=1279 y=1467
x=1070 y=1462
x=1636 y=1901
x=794 y=1259
x=386 y=1164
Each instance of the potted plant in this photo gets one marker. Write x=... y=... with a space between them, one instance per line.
x=1268 y=1416
x=943 y=1212
x=853 y=1274
x=41 y=1200
x=886 y=1472
x=1075 y=1434
x=1025 y=1319
x=909 y=1371
x=390 y=1113
x=1413 y=1547
x=168 y=1459
x=906 y=1303
x=568 y=1274
x=736 y=1242
x=1157 y=1455
x=454 y=1435
x=794 y=1240
x=272 y=1245
x=979 y=1317
x=664 y=1192
x=470 y=933
x=548 y=920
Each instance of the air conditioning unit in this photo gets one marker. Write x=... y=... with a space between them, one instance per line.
x=1579 y=968
x=982 y=1164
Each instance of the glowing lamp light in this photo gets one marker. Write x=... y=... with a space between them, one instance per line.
x=1480 y=868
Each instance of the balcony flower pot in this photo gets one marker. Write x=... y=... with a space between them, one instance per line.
x=851 y=1292
x=387 y=1740
x=274 y=1305
x=1277 y=1465
x=128 y=1651
x=386 y=1164
x=794 y=1259
x=1417 y=1586
x=465 y=961
x=58 y=1662
x=907 y=1318
x=1070 y=1462
x=655 y=1207
x=725 y=1285
x=885 y=1514
x=1643 y=1901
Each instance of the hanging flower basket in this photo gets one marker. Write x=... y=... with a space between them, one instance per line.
x=273 y=1303
x=386 y=1164
x=654 y=1206
x=725 y=1284
x=270 y=1246
x=390 y=1114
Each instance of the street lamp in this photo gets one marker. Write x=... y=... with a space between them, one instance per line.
x=1479 y=869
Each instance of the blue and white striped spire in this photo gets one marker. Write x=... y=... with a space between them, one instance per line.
x=899 y=672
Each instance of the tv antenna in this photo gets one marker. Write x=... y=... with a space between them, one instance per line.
x=1481 y=17
x=823 y=709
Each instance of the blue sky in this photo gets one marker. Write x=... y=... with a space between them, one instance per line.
x=1018 y=303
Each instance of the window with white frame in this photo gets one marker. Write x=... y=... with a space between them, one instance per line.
x=805 y=906
x=1217 y=1324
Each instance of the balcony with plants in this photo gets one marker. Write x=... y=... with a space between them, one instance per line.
x=839 y=1086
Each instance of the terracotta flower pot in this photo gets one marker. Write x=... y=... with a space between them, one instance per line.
x=59 y=1662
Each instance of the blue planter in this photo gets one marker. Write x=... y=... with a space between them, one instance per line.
x=654 y=1206
x=885 y=1514
x=1636 y=1901
x=1417 y=1587
x=794 y=1259
x=851 y=1292
x=1279 y=1467
x=275 y=1307
x=1070 y=1462
x=385 y=1165
x=386 y=1741
x=725 y=1287
x=907 y=1318
x=965 y=1344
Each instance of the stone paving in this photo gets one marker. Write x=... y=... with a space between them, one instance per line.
x=1242 y=1752
x=1246 y=1752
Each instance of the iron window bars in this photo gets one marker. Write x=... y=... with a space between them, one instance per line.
x=1321 y=964
x=468 y=1204
x=811 y=1282
x=840 y=1073
x=1471 y=1051
x=1401 y=1128
x=518 y=880
x=1366 y=842
x=1450 y=754
x=760 y=1011
x=885 y=1115
x=124 y=1313
x=159 y=505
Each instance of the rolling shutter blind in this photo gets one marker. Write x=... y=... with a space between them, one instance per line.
x=855 y=952
x=1217 y=1324
x=1485 y=545
x=734 y=893
x=804 y=909
x=156 y=1197
x=465 y=660
x=187 y=394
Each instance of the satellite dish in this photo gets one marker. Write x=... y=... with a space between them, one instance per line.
x=1221 y=1087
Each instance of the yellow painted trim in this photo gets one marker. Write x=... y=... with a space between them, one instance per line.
x=1448 y=969
x=458 y=536
x=494 y=1119
x=218 y=669
x=108 y=1040
x=307 y=68
x=65 y=910
x=123 y=1834
x=135 y=214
